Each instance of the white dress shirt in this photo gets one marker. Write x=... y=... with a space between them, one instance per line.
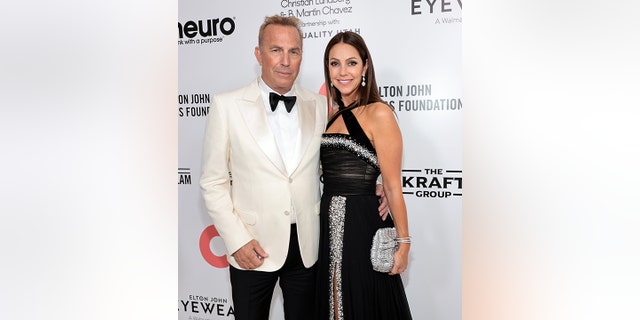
x=285 y=128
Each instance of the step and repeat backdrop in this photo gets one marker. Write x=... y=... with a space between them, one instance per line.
x=416 y=49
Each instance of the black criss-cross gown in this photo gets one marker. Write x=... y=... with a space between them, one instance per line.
x=348 y=220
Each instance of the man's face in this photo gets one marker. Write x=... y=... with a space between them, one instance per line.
x=280 y=56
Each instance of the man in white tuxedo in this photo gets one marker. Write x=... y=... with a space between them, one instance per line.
x=264 y=139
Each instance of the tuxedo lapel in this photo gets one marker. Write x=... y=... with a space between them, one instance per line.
x=307 y=123
x=253 y=112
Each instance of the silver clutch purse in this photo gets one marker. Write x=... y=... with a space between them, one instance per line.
x=383 y=247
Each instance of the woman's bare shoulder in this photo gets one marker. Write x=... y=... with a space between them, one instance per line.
x=380 y=111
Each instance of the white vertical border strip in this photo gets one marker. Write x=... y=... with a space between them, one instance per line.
x=88 y=202
x=551 y=156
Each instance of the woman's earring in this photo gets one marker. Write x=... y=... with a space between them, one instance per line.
x=364 y=83
x=331 y=84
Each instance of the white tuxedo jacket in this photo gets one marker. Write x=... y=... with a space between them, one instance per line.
x=257 y=203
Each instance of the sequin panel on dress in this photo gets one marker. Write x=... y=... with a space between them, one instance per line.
x=336 y=236
x=346 y=143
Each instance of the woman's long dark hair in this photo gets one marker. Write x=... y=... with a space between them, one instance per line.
x=367 y=94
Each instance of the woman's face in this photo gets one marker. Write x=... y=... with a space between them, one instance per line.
x=346 y=70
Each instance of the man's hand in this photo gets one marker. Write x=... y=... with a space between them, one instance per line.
x=383 y=209
x=250 y=256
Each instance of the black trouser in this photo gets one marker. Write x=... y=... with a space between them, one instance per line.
x=252 y=290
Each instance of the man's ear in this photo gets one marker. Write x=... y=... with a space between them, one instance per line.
x=256 y=52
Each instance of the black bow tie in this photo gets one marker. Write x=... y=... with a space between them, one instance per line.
x=288 y=101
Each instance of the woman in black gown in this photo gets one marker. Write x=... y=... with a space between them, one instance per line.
x=362 y=141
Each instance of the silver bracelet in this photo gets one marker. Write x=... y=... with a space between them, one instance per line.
x=404 y=240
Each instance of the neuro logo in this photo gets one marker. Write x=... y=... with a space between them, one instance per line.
x=432 y=183
x=205 y=31
x=184 y=175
